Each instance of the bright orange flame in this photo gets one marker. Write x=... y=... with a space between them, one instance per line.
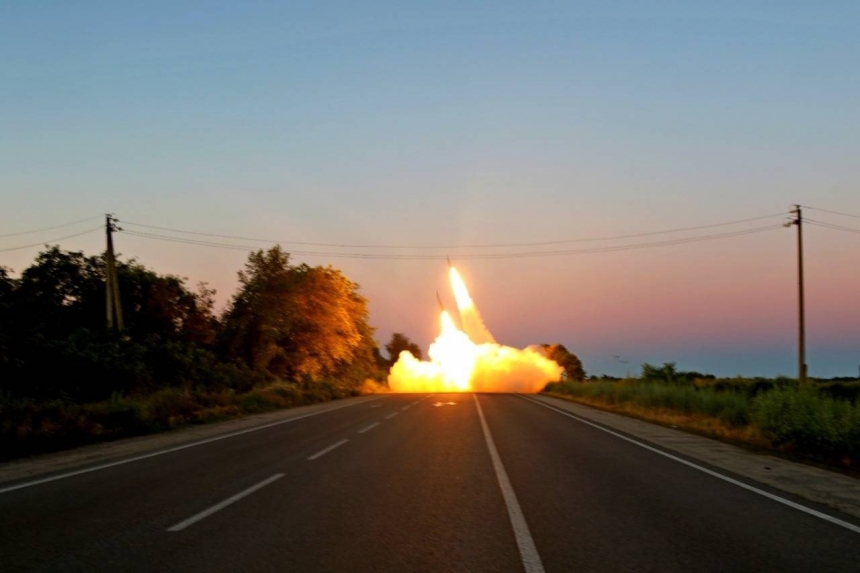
x=459 y=364
x=470 y=318
x=461 y=293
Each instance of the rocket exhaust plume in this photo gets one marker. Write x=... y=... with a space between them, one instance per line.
x=470 y=360
x=470 y=318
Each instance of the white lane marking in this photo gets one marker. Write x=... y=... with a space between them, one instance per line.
x=528 y=552
x=789 y=503
x=406 y=407
x=415 y=402
x=170 y=450
x=230 y=500
x=321 y=453
x=368 y=427
x=391 y=415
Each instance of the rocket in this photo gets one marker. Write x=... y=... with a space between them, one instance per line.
x=439 y=300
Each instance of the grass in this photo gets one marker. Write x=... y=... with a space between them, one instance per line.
x=807 y=422
x=28 y=427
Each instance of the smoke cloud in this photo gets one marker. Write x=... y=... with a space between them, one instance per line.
x=470 y=360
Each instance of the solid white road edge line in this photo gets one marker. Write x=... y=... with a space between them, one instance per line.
x=170 y=450
x=789 y=503
x=525 y=543
x=230 y=500
x=368 y=427
x=321 y=453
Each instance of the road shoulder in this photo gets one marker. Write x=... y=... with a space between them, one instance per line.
x=45 y=464
x=835 y=490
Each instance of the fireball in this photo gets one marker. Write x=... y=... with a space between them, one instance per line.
x=470 y=360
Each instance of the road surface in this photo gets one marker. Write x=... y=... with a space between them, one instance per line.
x=454 y=482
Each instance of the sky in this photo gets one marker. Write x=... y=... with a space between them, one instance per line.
x=464 y=123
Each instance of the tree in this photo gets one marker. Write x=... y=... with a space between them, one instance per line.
x=53 y=337
x=399 y=343
x=294 y=322
x=7 y=291
x=162 y=306
x=7 y=284
x=669 y=374
x=59 y=293
x=566 y=359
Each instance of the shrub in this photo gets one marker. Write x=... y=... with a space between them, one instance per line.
x=810 y=422
x=730 y=407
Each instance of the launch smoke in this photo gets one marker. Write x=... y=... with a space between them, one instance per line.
x=470 y=360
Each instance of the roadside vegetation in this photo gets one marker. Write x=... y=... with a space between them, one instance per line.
x=819 y=420
x=291 y=335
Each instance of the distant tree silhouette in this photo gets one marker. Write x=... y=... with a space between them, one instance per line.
x=400 y=342
x=53 y=340
x=566 y=359
x=293 y=322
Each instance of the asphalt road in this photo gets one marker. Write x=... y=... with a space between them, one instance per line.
x=412 y=483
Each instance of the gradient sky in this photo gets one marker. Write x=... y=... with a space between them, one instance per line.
x=462 y=123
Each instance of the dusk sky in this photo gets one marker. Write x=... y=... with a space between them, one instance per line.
x=455 y=123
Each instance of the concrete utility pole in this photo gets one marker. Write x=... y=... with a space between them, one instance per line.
x=801 y=313
x=114 y=309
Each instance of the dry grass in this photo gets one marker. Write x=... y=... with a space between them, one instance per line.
x=708 y=426
x=806 y=422
x=28 y=427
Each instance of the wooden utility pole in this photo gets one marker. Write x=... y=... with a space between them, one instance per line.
x=801 y=311
x=114 y=309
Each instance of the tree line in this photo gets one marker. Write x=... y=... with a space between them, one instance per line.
x=293 y=322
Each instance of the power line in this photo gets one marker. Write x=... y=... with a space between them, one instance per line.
x=49 y=228
x=831 y=226
x=40 y=243
x=480 y=246
x=528 y=254
x=832 y=212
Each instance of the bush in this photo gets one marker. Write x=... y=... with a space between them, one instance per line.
x=805 y=419
x=808 y=421
x=842 y=390
x=730 y=407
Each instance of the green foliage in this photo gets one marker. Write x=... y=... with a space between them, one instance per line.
x=400 y=343
x=286 y=321
x=809 y=421
x=294 y=321
x=730 y=407
x=805 y=419
x=30 y=426
x=843 y=390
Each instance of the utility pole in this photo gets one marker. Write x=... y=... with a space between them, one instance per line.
x=801 y=313
x=114 y=309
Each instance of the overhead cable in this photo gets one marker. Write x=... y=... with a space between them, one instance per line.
x=478 y=246
x=40 y=243
x=831 y=226
x=832 y=212
x=513 y=255
x=49 y=228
